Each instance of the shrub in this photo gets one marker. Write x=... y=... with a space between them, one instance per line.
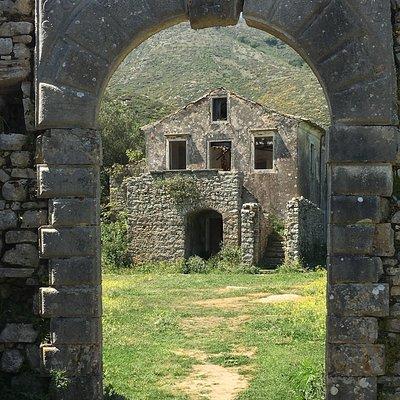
x=277 y=225
x=310 y=381
x=182 y=189
x=229 y=260
x=290 y=266
x=195 y=265
x=114 y=240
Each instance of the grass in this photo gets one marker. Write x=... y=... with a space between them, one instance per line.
x=158 y=327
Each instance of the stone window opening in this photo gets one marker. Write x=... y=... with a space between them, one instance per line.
x=204 y=234
x=177 y=154
x=264 y=148
x=313 y=166
x=220 y=109
x=220 y=155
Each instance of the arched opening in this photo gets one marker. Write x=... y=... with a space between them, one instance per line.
x=204 y=233
x=332 y=38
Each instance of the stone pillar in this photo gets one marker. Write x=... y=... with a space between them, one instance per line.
x=68 y=175
x=250 y=233
x=360 y=183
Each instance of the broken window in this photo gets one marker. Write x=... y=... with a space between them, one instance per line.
x=264 y=152
x=220 y=156
x=177 y=154
x=220 y=109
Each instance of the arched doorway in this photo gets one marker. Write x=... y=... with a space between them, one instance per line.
x=79 y=45
x=204 y=233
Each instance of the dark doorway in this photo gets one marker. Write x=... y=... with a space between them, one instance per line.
x=204 y=234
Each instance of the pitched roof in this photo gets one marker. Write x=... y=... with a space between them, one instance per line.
x=231 y=93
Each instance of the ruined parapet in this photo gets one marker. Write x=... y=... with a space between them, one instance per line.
x=305 y=234
x=250 y=233
x=158 y=205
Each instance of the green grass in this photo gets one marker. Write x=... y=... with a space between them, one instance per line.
x=154 y=325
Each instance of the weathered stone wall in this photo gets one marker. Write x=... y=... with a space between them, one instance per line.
x=21 y=212
x=157 y=222
x=305 y=236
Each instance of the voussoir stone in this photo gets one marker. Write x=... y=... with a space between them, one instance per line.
x=26 y=255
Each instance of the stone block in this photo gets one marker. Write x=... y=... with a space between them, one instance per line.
x=359 y=180
x=67 y=181
x=343 y=269
x=6 y=46
x=11 y=73
x=356 y=360
x=363 y=143
x=22 y=236
x=16 y=190
x=369 y=300
x=358 y=209
x=9 y=29
x=383 y=241
x=70 y=147
x=69 y=302
x=69 y=242
x=392 y=324
x=351 y=388
x=20 y=159
x=34 y=219
x=73 y=212
x=25 y=255
x=74 y=360
x=21 y=51
x=352 y=330
x=11 y=361
x=18 y=333
x=75 y=271
x=75 y=330
x=352 y=239
x=12 y=141
x=206 y=14
x=8 y=220
x=16 y=273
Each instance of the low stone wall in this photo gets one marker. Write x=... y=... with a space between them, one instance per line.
x=157 y=222
x=305 y=237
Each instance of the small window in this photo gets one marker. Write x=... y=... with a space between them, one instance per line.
x=220 y=109
x=220 y=156
x=264 y=152
x=313 y=161
x=177 y=154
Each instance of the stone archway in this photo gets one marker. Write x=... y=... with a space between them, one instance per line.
x=348 y=44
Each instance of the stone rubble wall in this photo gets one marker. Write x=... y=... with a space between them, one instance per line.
x=21 y=212
x=250 y=233
x=157 y=224
x=305 y=233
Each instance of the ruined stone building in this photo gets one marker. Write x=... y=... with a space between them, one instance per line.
x=225 y=169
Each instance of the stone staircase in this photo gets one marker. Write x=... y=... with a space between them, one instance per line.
x=274 y=255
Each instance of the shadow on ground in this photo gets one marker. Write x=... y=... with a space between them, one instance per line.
x=111 y=394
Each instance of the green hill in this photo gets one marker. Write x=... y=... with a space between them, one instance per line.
x=179 y=65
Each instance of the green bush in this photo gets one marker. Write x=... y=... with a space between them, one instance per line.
x=290 y=266
x=309 y=381
x=182 y=189
x=114 y=240
x=195 y=265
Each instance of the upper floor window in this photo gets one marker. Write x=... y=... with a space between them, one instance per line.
x=177 y=154
x=264 y=152
x=220 y=109
x=220 y=155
